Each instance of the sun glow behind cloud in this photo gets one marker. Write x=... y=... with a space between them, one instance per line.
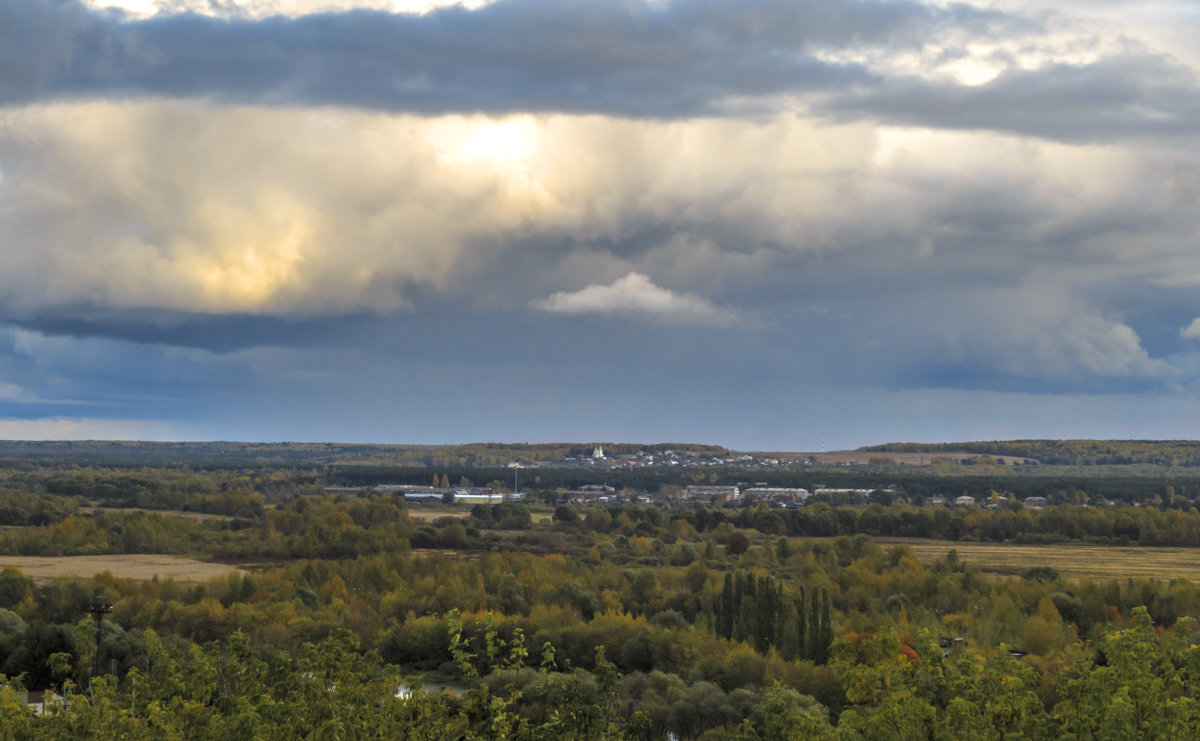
x=974 y=63
x=243 y=209
x=504 y=147
x=220 y=209
x=505 y=143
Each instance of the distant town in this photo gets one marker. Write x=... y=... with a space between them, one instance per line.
x=715 y=495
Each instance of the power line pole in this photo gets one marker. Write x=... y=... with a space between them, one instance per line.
x=98 y=610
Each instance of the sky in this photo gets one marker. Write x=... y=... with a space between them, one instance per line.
x=765 y=224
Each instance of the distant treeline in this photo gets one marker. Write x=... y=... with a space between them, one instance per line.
x=222 y=492
x=1148 y=526
x=233 y=455
x=1121 y=525
x=224 y=455
x=1067 y=452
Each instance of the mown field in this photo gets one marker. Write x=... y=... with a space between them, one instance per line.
x=1074 y=561
x=132 y=566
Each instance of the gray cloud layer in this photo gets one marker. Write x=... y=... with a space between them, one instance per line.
x=660 y=60
x=1128 y=94
x=510 y=56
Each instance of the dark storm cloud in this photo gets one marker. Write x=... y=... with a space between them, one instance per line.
x=37 y=42
x=629 y=59
x=608 y=57
x=218 y=334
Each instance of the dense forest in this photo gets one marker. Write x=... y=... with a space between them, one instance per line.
x=352 y=615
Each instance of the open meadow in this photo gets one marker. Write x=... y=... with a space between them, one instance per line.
x=1073 y=561
x=131 y=566
x=432 y=515
x=201 y=516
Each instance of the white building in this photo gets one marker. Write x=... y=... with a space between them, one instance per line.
x=775 y=494
x=712 y=492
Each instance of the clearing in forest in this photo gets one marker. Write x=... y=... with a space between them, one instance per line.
x=132 y=566
x=430 y=515
x=165 y=512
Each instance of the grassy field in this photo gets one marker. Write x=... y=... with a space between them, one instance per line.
x=1074 y=561
x=137 y=566
x=429 y=515
x=165 y=512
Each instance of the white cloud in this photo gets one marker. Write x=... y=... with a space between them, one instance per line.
x=1191 y=331
x=1037 y=331
x=1099 y=346
x=636 y=296
x=12 y=393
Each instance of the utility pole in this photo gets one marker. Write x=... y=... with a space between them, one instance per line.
x=98 y=610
